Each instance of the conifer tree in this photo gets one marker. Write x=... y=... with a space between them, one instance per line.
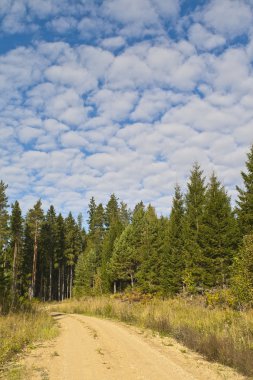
x=219 y=235
x=85 y=273
x=242 y=278
x=35 y=218
x=114 y=230
x=245 y=198
x=60 y=256
x=16 y=232
x=51 y=221
x=27 y=260
x=173 y=260
x=123 y=263
x=4 y=234
x=193 y=276
x=73 y=246
x=149 y=272
x=92 y=207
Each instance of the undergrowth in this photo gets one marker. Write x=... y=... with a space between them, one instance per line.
x=225 y=336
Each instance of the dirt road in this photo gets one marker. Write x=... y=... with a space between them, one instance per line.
x=90 y=348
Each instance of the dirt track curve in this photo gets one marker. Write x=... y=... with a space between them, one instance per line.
x=90 y=348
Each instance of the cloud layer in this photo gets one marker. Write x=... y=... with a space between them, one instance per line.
x=122 y=96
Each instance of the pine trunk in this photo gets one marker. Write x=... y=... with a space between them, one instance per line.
x=35 y=254
x=14 y=268
x=71 y=282
x=50 y=280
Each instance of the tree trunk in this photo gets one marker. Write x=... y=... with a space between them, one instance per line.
x=71 y=281
x=114 y=287
x=132 y=280
x=63 y=284
x=14 y=268
x=59 y=283
x=50 y=280
x=35 y=254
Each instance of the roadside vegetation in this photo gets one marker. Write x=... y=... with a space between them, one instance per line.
x=221 y=335
x=21 y=330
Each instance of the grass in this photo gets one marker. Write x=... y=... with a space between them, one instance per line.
x=225 y=336
x=20 y=330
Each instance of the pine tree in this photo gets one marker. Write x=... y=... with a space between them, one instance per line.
x=219 y=235
x=193 y=275
x=73 y=247
x=60 y=259
x=35 y=218
x=51 y=221
x=173 y=260
x=4 y=235
x=245 y=201
x=16 y=232
x=27 y=260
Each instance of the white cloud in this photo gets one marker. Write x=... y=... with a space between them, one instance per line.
x=125 y=116
x=113 y=42
x=203 y=39
x=228 y=17
x=27 y=134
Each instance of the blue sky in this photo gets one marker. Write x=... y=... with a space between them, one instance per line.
x=122 y=96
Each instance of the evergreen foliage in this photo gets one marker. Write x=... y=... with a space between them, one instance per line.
x=173 y=260
x=193 y=251
x=193 y=276
x=245 y=198
x=219 y=235
x=242 y=280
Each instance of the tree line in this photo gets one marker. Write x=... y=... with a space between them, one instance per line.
x=203 y=245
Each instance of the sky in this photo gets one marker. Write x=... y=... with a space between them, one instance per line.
x=122 y=96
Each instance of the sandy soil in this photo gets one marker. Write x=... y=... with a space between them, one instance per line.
x=90 y=348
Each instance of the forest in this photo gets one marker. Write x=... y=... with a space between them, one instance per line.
x=205 y=246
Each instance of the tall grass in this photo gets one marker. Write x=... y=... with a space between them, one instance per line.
x=225 y=336
x=21 y=329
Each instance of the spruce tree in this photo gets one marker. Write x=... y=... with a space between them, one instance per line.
x=245 y=198
x=193 y=276
x=173 y=260
x=92 y=207
x=242 y=278
x=149 y=274
x=219 y=235
x=123 y=264
x=114 y=230
x=85 y=273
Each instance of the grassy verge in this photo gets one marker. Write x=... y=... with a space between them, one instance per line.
x=22 y=329
x=225 y=336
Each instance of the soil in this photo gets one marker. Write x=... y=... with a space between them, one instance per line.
x=90 y=348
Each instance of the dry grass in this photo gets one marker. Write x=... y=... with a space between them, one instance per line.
x=22 y=329
x=225 y=336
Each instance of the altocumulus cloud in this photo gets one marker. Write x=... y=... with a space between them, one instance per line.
x=122 y=96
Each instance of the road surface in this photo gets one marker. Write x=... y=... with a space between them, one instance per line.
x=90 y=348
